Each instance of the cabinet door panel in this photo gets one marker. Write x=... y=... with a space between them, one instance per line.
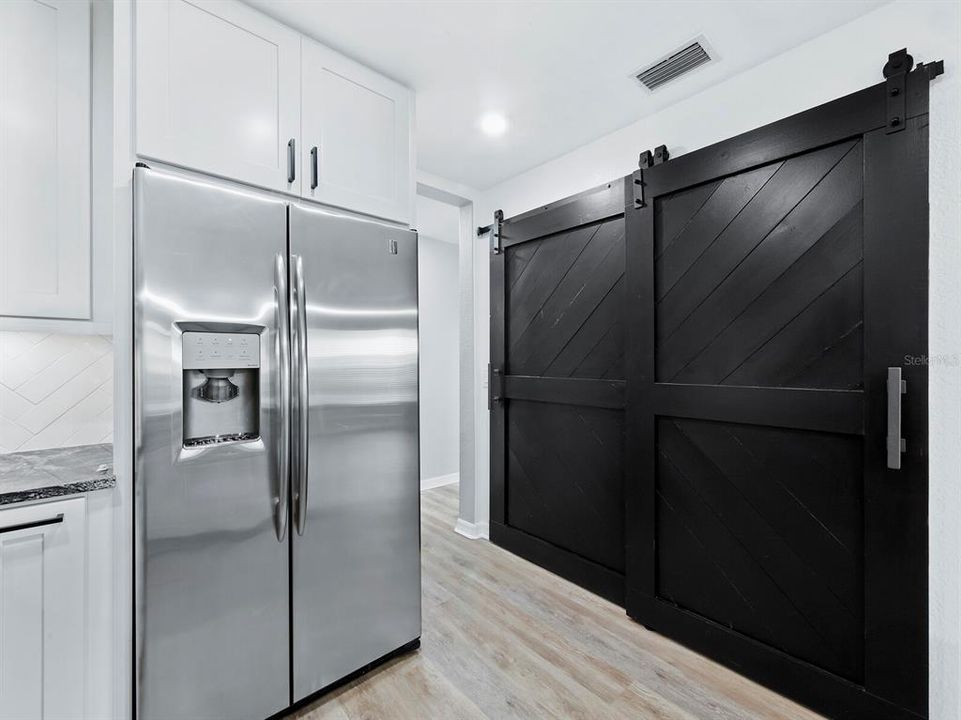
x=45 y=159
x=21 y=607
x=42 y=611
x=217 y=90
x=359 y=122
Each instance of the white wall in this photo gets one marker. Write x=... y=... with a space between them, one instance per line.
x=944 y=391
x=842 y=61
x=437 y=260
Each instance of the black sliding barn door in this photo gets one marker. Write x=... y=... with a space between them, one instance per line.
x=557 y=388
x=772 y=281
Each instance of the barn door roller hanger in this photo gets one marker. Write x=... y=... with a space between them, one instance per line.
x=646 y=160
x=895 y=71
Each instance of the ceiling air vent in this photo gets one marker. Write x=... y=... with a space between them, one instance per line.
x=681 y=61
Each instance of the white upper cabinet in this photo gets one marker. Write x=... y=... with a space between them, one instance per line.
x=225 y=90
x=355 y=127
x=218 y=90
x=45 y=158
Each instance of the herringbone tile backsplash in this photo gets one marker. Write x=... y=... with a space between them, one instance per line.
x=55 y=390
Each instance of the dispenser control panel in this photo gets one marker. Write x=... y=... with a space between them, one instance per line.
x=213 y=351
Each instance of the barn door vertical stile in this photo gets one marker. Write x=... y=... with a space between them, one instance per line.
x=639 y=457
x=776 y=421
x=495 y=374
x=896 y=339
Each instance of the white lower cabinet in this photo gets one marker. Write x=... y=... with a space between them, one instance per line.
x=43 y=610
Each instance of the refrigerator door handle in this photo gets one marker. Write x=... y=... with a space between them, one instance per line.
x=283 y=363
x=303 y=397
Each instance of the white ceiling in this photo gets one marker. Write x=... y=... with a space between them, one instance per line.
x=560 y=71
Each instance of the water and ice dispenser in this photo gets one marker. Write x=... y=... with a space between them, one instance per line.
x=221 y=387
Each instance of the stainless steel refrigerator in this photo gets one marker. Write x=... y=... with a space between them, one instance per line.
x=276 y=517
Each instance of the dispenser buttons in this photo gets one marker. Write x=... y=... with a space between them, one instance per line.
x=212 y=351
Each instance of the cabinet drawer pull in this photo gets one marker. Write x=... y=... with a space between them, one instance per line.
x=58 y=518
x=291 y=160
x=313 y=168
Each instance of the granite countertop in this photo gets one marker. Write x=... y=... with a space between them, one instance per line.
x=40 y=474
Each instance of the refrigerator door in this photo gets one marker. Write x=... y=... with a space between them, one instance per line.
x=211 y=550
x=356 y=527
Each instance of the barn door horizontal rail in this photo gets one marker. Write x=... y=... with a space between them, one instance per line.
x=563 y=391
x=837 y=411
x=590 y=206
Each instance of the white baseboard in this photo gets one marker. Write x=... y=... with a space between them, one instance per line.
x=439 y=481
x=473 y=531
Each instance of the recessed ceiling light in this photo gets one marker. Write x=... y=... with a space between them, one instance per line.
x=493 y=124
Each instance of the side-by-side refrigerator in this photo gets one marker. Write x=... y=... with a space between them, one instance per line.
x=276 y=519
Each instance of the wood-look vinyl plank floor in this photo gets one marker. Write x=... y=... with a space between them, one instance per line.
x=504 y=639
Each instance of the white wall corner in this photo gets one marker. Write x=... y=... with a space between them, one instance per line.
x=472 y=531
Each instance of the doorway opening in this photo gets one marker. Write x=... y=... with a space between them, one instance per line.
x=448 y=377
